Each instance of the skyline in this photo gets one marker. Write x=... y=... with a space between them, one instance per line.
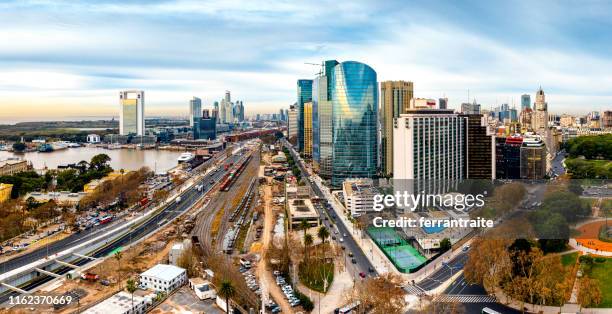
x=72 y=59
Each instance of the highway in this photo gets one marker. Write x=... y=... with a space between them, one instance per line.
x=362 y=262
x=169 y=212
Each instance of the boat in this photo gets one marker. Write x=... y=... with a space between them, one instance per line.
x=45 y=148
x=186 y=157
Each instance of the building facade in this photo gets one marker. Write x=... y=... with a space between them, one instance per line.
x=164 y=278
x=428 y=150
x=354 y=118
x=292 y=127
x=508 y=157
x=10 y=167
x=195 y=110
x=395 y=98
x=525 y=102
x=607 y=119
x=131 y=113
x=205 y=127
x=304 y=95
x=479 y=149
x=5 y=191
x=308 y=129
x=470 y=108
x=358 y=196
x=323 y=151
x=533 y=159
x=540 y=113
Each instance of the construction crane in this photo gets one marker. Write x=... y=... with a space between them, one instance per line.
x=317 y=64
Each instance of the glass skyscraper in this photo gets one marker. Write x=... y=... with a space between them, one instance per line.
x=525 y=102
x=304 y=95
x=354 y=118
x=322 y=96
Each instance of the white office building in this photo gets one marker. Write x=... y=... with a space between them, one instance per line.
x=162 y=277
x=292 y=127
x=93 y=138
x=358 y=196
x=428 y=150
x=195 y=110
x=131 y=113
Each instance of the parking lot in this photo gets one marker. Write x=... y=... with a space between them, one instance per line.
x=184 y=301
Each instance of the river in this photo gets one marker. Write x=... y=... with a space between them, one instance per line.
x=129 y=159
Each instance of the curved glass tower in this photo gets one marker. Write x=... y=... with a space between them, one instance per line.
x=355 y=104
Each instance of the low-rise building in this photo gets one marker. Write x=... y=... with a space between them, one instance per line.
x=5 y=191
x=358 y=196
x=202 y=288
x=121 y=303
x=62 y=198
x=302 y=209
x=93 y=139
x=163 y=277
x=12 y=166
x=175 y=253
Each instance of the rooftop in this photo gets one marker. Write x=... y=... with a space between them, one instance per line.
x=164 y=272
x=118 y=303
x=302 y=208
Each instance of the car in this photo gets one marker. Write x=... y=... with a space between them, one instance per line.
x=370 y=269
x=354 y=261
x=344 y=234
x=333 y=237
x=362 y=275
x=350 y=254
x=342 y=247
x=341 y=239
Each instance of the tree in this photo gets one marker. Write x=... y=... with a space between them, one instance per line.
x=227 y=291
x=575 y=187
x=589 y=293
x=131 y=288
x=118 y=256
x=19 y=147
x=304 y=225
x=445 y=245
x=323 y=233
x=99 y=161
x=382 y=294
x=307 y=243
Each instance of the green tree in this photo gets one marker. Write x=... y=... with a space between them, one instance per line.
x=227 y=291
x=445 y=245
x=304 y=225
x=99 y=161
x=307 y=243
x=131 y=288
x=118 y=256
x=323 y=233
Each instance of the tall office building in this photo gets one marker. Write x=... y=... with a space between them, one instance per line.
x=304 y=95
x=428 y=150
x=205 y=126
x=607 y=119
x=443 y=103
x=533 y=158
x=282 y=115
x=395 y=98
x=525 y=102
x=540 y=113
x=195 y=110
x=508 y=157
x=479 y=148
x=131 y=113
x=292 y=128
x=470 y=108
x=322 y=100
x=308 y=129
x=354 y=122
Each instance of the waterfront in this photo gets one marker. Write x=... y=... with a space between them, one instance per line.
x=129 y=159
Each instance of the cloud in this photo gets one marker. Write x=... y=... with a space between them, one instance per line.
x=79 y=54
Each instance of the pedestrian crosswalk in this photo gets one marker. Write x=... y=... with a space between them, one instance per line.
x=461 y=298
x=414 y=289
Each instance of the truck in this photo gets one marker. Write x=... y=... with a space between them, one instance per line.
x=178 y=200
x=105 y=219
x=89 y=277
x=200 y=187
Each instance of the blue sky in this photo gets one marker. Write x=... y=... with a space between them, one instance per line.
x=60 y=58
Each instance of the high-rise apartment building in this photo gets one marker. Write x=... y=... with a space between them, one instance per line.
x=533 y=158
x=304 y=95
x=308 y=129
x=395 y=98
x=292 y=128
x=354 y=122
x=428 y=150
x=479 y=148
x=131 y=113
x=525 y=102
x=195 y=110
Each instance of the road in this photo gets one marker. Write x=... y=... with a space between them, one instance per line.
x=557 y=163
x=190 y=197
x=473 y=297
x=362 y=262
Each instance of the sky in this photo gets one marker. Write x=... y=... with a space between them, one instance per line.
x=62 y=59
